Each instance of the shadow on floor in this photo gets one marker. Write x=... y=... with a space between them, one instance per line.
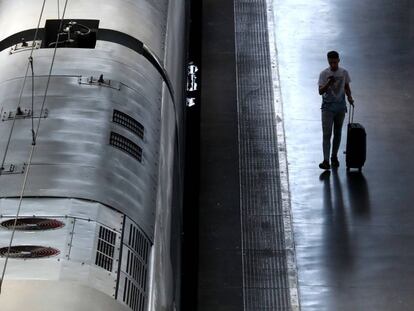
x=338 y=244
x=335 y=236
x=358 y=191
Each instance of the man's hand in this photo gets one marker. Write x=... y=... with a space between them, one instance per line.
x=331 y=80
x=323 y=89
x=351 y=100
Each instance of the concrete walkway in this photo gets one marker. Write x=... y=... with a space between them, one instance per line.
x=354 y=232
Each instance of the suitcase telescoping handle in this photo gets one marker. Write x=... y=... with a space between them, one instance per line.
x=351 y=113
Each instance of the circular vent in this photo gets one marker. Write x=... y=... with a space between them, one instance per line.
x=29 y=251
x=33 y=224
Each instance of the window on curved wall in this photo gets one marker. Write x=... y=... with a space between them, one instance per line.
x=105 y=250
x=121 y=142
x=129 y=123
x=134 y=277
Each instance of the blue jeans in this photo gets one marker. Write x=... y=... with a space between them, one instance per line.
x=331 y=120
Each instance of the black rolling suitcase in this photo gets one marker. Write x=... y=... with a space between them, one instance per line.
x=356 y=143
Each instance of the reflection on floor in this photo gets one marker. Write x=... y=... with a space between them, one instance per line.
x=353 y=232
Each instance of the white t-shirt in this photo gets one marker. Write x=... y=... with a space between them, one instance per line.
x=334 y=98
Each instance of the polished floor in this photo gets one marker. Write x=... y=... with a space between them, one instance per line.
x=354 y=233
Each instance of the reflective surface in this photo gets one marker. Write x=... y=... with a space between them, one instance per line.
x=145 y=20
x=75 y=158
x=76 y=242
x=60 y=296
x=353 y=231
x=75 y=134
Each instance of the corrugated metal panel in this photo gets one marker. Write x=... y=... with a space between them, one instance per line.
x=133 y=285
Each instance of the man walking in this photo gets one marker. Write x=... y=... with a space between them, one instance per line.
x=333 y=86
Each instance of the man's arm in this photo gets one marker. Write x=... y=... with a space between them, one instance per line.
x=324 y=88
x=348 y=93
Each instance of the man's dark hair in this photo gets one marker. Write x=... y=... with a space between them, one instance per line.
x=333 y=54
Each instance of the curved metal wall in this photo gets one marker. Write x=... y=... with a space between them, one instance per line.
x=74 y=154
x=145 y=20
x=73 y=157
x=161 y=295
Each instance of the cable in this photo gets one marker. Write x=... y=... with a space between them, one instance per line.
x=23 y=86
x=88 y=30
x=33 y=132
x=71 y=29
x=51 y=68
x=31 y=152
